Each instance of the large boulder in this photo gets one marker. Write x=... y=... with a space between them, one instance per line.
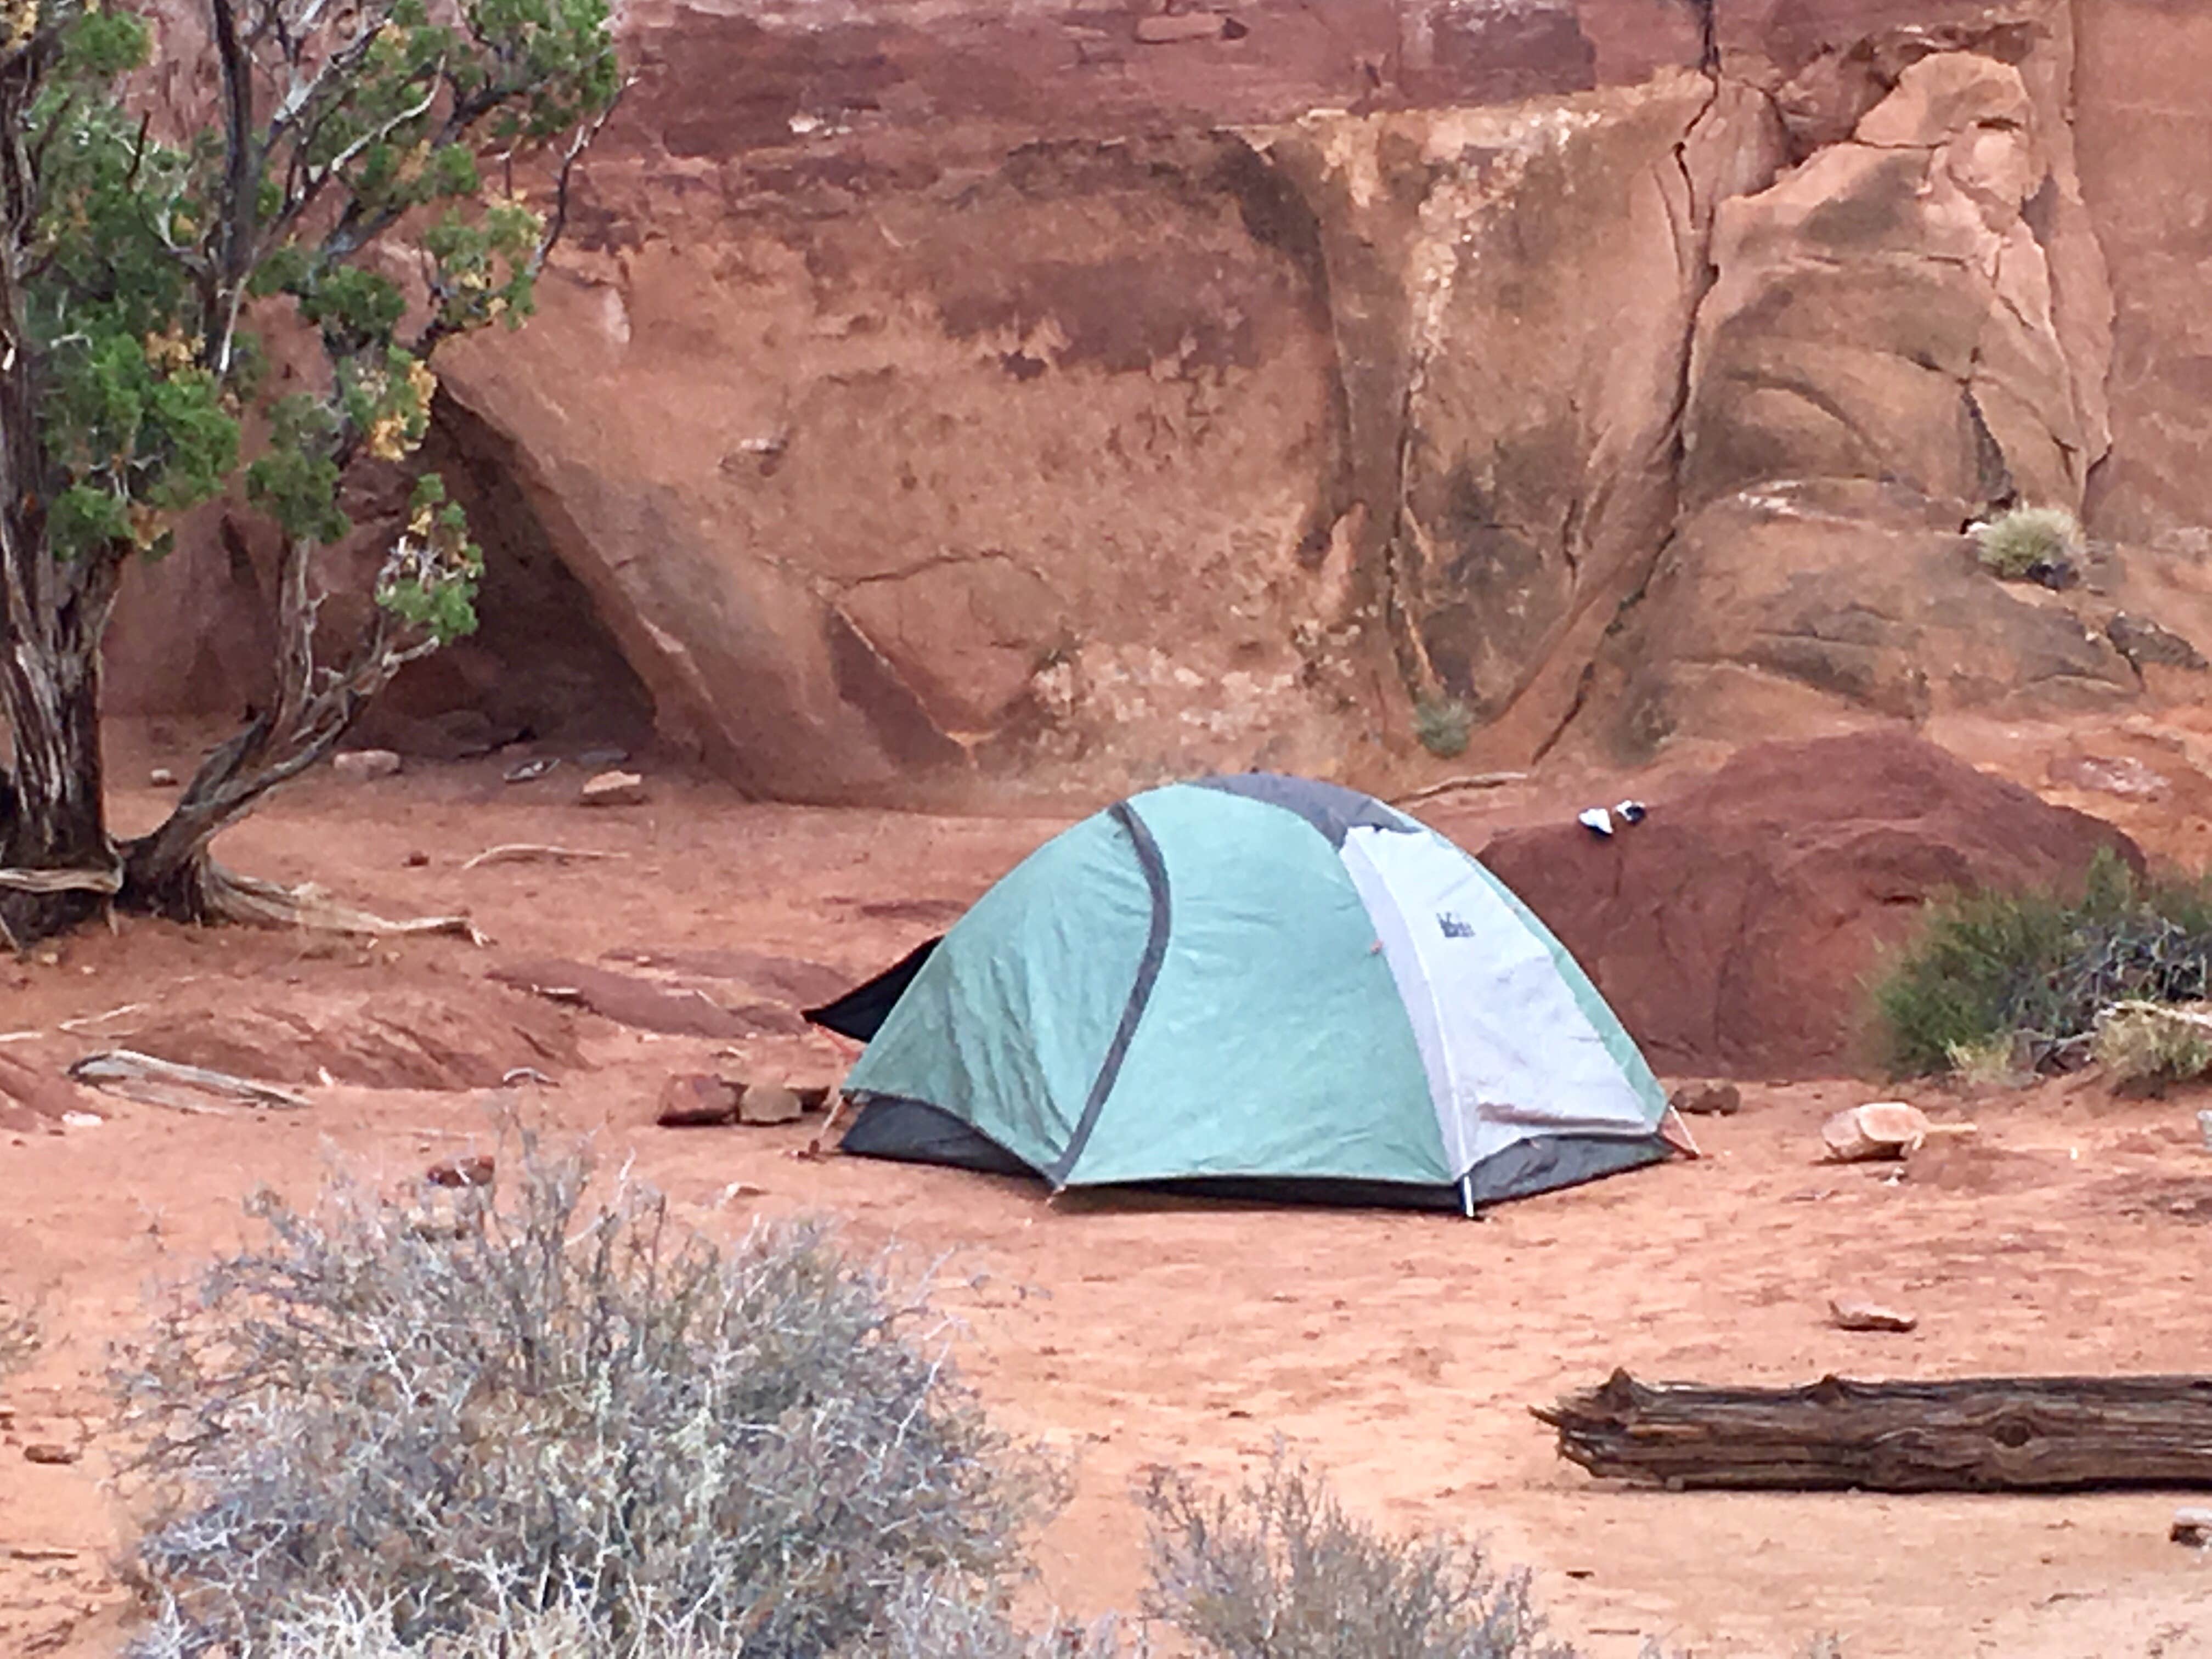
x=1733 y=930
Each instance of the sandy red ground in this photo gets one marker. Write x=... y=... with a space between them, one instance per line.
x=1399 y=1353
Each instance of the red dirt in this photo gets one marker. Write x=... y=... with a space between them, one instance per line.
x=1731 y=929
x=1400 y=1352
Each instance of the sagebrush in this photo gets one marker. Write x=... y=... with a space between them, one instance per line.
x=2144 y=1045
x=507 y=1420
x=2033 y=970
x=2027 y=541
x=1279 y=1570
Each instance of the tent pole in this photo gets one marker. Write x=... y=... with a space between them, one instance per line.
x=1467 y=1193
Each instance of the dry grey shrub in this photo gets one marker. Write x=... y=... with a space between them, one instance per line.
x=943 y=1618
x=508 y=1423
x=1280 y=1571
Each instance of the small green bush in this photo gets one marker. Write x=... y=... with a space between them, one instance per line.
x=507 y=1421
x=2035 y=969
x=2015 y=544
x=1444 y=725
x=1280 y=1571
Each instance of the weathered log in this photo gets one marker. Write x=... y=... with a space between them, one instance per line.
x=1977 y=1434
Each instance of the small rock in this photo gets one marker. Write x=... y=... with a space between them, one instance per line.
x=1164 y=31
x=1881 y=1128
x=476 y=1172
x=738 y=1189
x=417 y=859
x=362 y=763
x=161 y=777
x=529 y=768
x=696 y=1101
x=2121 y=775
x=597 y=760
x=1849 y=1314
x=45 y=1451
x=2193 y=1528
x=768 y=1103
x=614 y=789
x=1707 y=1100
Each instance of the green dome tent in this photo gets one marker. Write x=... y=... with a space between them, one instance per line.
x=1253 y=984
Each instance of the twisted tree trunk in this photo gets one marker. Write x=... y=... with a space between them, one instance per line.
x=56 y=862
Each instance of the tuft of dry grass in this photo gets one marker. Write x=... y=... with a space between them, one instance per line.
x=529 y=1419
x=1444 y=725
x=2016 y=545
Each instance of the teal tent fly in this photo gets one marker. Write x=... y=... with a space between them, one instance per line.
x=1259 y=985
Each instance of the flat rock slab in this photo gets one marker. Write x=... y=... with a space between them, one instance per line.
x=1882 y=1128
x=771 y=978
x=1851 y=1313
x=770 y=1103
x=696 y=1101
x=628 y=999
x=614 y=789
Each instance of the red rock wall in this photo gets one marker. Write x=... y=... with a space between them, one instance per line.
x=955 y=402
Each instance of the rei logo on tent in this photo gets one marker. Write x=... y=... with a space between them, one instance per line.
x=1453 y=927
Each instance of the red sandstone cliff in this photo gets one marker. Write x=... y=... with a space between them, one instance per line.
x=954 y=399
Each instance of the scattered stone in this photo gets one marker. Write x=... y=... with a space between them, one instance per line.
x=768 y=1103
x=1849 y=1314
x=529 y=768
x=2192 y=1528
x=1162 y=30
x=1881 y=1128
x=2121 y=775
x=696 y=1101
x=360 y=764
x=614 y=789
x=1707 y=1100
x=738 y=1189
x=597 y=760
x=473 y=1171
x=45 y=1451
x=418 y=859
x=2141 y=641
x=162 y=778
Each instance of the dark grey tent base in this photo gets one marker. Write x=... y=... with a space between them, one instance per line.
x=915 y=1132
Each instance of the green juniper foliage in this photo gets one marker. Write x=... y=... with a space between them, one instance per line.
x=2038 y=968
x=158 y=269
x=145 y=268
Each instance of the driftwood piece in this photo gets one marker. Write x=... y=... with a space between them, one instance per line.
x=180 y=1087
x=1980 y=1434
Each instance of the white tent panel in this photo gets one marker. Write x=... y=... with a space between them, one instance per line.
x=1509 y=1051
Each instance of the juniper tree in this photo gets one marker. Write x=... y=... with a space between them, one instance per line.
x=375 y=176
